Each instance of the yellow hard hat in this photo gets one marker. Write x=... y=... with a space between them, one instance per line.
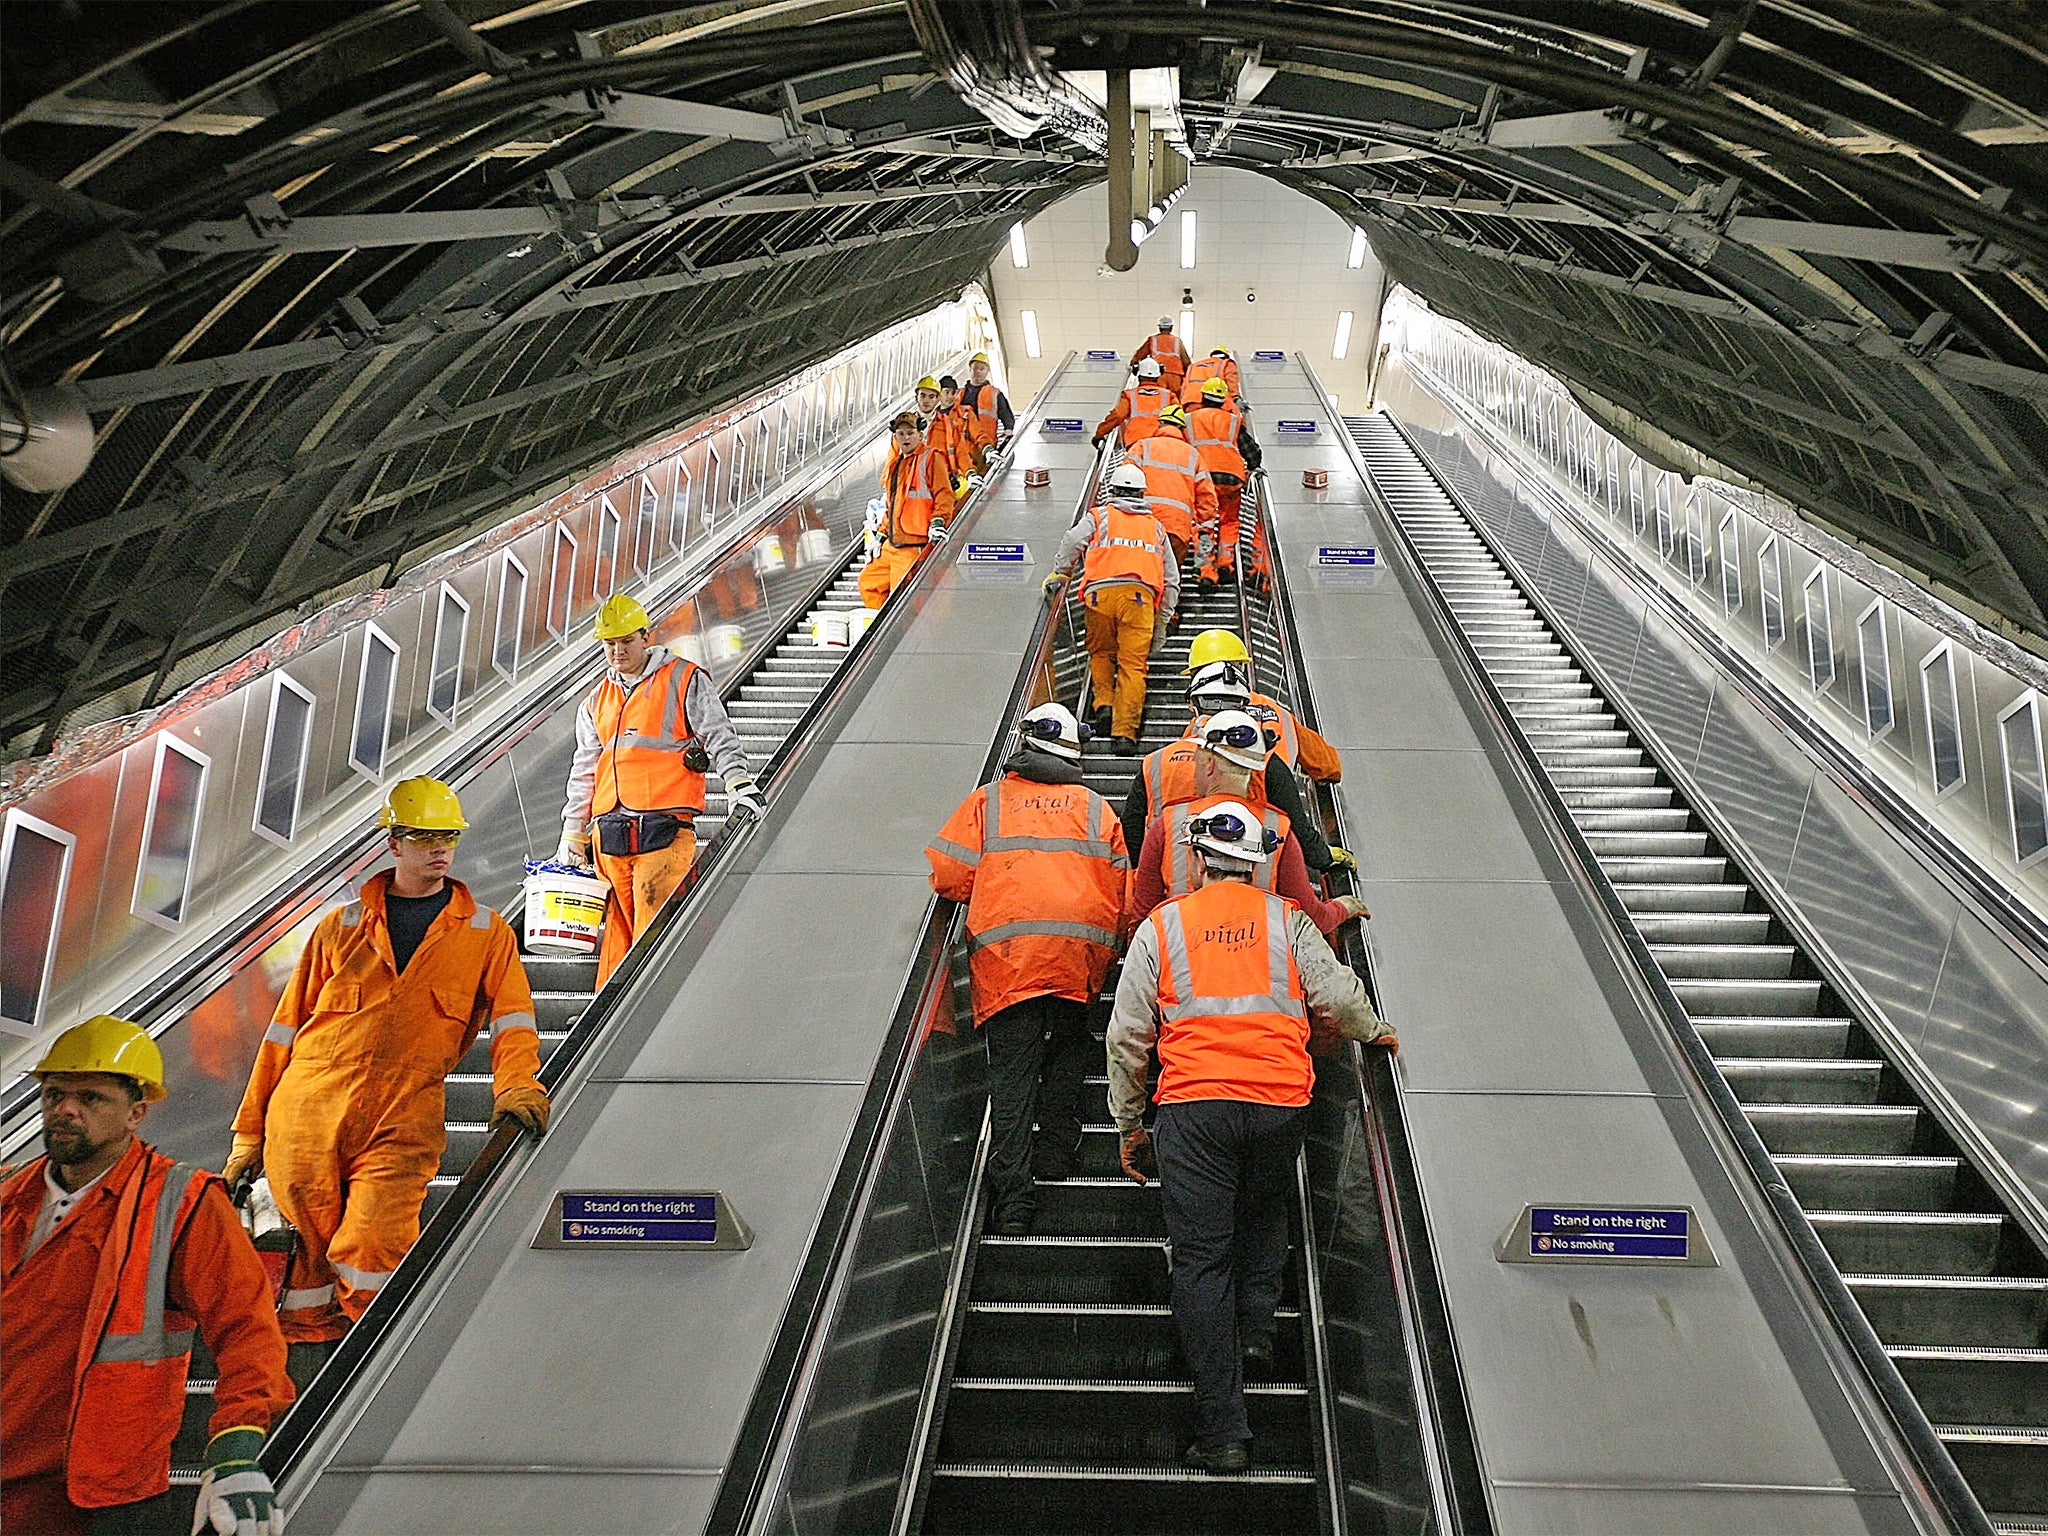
x=619 y=616
x=979 y=357
x=1219 y=351
x=1213 y=645
x=1216 y=389
x=425 y=803
x=1175 y=414
x=104 y=1043
x=928 y=382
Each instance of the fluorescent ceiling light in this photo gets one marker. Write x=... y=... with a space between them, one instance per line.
x=1030 y=331
x=1187 y=240
x=1186 y=329
x=1357 y=247
x=1343 y=342
x=1022 y=258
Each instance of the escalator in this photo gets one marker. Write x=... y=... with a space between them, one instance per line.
x=1948 y=1280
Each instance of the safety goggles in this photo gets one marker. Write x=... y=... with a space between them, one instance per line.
x=1229 y=827
x=1239 y=736
x=1049 y=730
x=427 y=837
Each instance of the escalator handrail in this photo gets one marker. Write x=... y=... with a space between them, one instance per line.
x=1457 y=1480
x=309 y=1414
x=759 y=1460
x=1930 y=1470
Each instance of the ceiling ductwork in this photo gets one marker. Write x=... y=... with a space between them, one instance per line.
x=980 y=48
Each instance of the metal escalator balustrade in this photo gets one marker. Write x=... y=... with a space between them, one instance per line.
x=1948 y=1281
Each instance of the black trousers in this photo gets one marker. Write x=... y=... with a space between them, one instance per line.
x=1038 y=1052
x=1224 y=1172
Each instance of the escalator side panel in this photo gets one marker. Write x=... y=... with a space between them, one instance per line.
x=740 y=1059
x=1531 y=1075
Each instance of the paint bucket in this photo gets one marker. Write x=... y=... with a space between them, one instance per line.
x=564 y=910
x=829 y=629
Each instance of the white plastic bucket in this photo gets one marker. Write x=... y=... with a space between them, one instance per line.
x=564 y=912
x=813 y=545
x=857 y=622
x=724 y=640
x=829 y=629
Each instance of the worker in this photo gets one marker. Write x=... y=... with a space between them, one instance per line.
x=646 y=734
x=1231 y=455
x=1182 y=495
x=927 y=395
x=1230 y=748
x=1220 y=672
x=994 y=421
x=1040 y=861
x=345 y=1110
x=1167 y=777
x=917 y=486
x=1219 y=364
x=112 y=1255
x=1231 y=983
x=1135 y=416
x=1130 y=587
x=952 y=433
x=1164 y=348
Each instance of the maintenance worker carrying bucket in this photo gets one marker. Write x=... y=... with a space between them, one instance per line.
x=645 y=738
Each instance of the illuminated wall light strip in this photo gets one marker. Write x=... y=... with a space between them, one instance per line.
x=1030 y=318
x=1343 y=341
x=1019 y=256
x=1186 y=329
x=1357 y=248
x=1187 y=240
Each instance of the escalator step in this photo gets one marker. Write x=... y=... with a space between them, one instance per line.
x=1100 y=1207
x=1082 y=1340
x=1111 y=1423
x=1115 y=1270
x=1132 y=1501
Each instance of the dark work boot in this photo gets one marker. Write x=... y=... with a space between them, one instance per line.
x=1125 y=746
x=1099 y=720
x=1234 y=1457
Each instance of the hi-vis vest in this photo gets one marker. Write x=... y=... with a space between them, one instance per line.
x=644 y=735
x=1271 y=717
x=912 y=499
x=1049 y=874
x=1177 y=859
x=1171 y=466
x=1233 y=1017
x=1125 y=547
x=1205 y=369
x=1169 y=776
x=980 y=399
x=1213 y=430
x=1163 y=348
x=130 y=1397
x=1144 y=401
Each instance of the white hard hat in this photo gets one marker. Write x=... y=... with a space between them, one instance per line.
x=1053 y=728
x=1231 y=835
x=1149 y=368
x=1222 y=682
x=1129 y=478
x=1166 y=322
x=1235 y=737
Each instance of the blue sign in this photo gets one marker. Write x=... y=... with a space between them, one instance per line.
x=1297 y=428
x=681 y=1219
x=1270 y=357
x=1102 y=355
x=1559 y=1233
x=1347 y=554
x=1063 y=424
x=997 y=554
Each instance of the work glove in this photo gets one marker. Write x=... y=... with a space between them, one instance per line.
x=525 y=1102
x=246 y=1157
x=1354 y=906
x=939 y=533
x=1054 y=583
x=1136 y=1155
x=1342 y=859
x=1390 y=1042
x=745 y=797
x=235 y=1496
x=961 y=485
x=573 y=851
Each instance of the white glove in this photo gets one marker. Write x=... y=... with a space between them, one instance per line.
x=939 y=533
x=573 y=851
x=745 y=797
x=235 y=1495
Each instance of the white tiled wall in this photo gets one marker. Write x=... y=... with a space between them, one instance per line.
x=1252 y=235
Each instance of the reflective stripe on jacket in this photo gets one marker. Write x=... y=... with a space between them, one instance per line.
x=1232 y=1013
x=1043 y=870
x=1169 y=776
x=1213 y=430
x=1164 y=348
x=1125 y=548
x=980 y=402
x=1224 y=368
x=645 y=733
x=1298 y=747
x=1182 y=495
x=920 y=492
x=1136 y=412
x=1178 y=864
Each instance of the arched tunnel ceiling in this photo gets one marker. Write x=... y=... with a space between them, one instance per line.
x=344 y=281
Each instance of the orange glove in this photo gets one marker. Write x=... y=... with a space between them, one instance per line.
x=247 y=1157
x=525 y=1102
x=1136 y=1156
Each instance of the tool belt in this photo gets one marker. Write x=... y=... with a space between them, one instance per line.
x=621 y=834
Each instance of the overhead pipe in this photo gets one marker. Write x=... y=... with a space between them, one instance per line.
x=1122 y=252
x=980 y=48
